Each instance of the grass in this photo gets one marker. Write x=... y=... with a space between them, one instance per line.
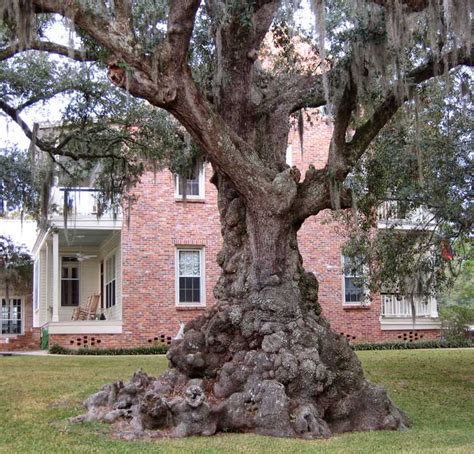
x=38 y=394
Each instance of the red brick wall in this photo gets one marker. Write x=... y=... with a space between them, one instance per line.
x=159 y=223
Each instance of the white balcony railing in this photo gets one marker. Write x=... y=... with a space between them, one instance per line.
x=81 y=203
x=391 y=212
x=395 y=305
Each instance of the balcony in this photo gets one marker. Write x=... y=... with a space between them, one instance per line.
x=397 y=313
x=392 y=214
x=82 y=209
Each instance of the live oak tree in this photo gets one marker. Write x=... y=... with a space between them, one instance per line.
x=263 y=359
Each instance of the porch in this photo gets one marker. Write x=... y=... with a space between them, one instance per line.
x=72 y=265
x=80 y=208
x=391 y=213
x=397 y=312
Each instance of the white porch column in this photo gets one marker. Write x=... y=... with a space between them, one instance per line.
x=434 y=307
x=47 y=290
x=55 y=289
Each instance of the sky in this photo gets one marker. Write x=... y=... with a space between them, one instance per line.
x=10 y=133
x=21 y=233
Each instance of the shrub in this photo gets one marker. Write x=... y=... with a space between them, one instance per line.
x=158 y=349
x=57 y=350
x=455 y=322
x=463 y=343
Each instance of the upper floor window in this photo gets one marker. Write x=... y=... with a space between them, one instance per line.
x=69 y=281
x=190 y=276
x=193 y=186
x=354 y=291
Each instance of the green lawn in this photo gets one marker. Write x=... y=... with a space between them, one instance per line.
x=38 y=394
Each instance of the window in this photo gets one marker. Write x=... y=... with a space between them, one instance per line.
x=11 y=316
x=36 y=278
x=110 y=282
x=194 y=184
x=354 y=292
x=69 y=281
x=189 y=279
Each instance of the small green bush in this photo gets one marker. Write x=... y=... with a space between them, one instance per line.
x=464 y=343
x=455 y=321
x=57 y=350
x=158 y=349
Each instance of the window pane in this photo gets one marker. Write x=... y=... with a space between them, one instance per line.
x=191 y=183
x=192 y=187
x=353 y=289
x=189 y=263
x=189 y=290
x=11 y=316
x=70 y=292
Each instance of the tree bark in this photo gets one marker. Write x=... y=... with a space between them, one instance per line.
x=263 y=359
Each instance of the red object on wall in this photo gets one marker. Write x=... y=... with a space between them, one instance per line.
x=446 y=251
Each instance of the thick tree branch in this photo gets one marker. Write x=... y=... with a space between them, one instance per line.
x=364 y=135
x=345 y=107
x=50 y=47
x=98 y=26
x=314 y=192
x=295 y=92
x=171 y=88
x=123 y=16
x=180 y=28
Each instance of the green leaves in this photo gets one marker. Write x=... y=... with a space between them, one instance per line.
x=16 y=267
x=421 y=162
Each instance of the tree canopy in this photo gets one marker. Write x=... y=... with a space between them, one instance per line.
x=16 y=267
x=220 y=68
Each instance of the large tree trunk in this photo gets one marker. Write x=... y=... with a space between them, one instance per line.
x=263 y=359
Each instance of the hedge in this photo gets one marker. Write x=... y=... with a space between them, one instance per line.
x=156 y=350
x=415 y=345
x=161 y=349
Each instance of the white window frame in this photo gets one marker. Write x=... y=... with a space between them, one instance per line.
x=61 y=281
x=22 y=316
x=201 y=182
x=365 y=300
x=202 y=276
x=36 y=285
x=112 y=255
x=289 y=155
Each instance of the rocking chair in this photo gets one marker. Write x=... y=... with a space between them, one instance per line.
x=88 y=311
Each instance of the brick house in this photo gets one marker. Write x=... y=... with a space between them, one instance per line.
x=158 y=267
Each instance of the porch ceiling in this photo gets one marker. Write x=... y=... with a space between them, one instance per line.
x=79 y=237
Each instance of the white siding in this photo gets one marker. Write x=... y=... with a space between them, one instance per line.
x=40 y=317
